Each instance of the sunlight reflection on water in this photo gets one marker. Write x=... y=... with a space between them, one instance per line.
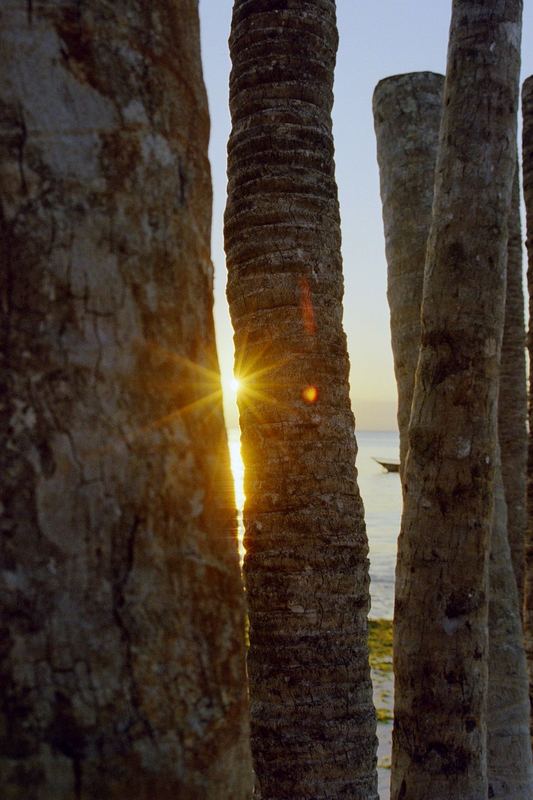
x=237 y=469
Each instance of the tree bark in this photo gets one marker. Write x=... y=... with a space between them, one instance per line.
x=407 y=111
x=440 y=631
x=512 y=404
x=509 y=764
x=306 y=569
x=510 y=769
x=527 y=166
x=122 y=658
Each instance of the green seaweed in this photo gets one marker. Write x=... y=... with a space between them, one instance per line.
x=383 y=714
x=380 y=644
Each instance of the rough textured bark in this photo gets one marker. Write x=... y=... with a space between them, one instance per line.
x=509 y=764
x=510 y=769
x=407 y=111
x=440 y=631
x=122 y=664
x=306 y=570
x=512 y=405
x=527 y=166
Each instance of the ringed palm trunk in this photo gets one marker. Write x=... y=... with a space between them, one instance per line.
x=306 y=570
x=527 y=159
x=122 y=661
x=407 y=111
x=441 y=609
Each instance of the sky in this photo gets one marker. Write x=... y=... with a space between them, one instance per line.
x=375 y=40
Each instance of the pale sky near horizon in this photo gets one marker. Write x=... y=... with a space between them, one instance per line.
x=375 y=40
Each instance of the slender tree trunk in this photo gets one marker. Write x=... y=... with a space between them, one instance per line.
x=509 y=764
x=512 y=405
x=306 y=570
x=439 y=740
x=510 y=769
x=122 y=658
x=527 y=161
x=407 y=110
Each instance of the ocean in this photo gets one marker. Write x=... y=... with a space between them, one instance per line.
x=382 y=498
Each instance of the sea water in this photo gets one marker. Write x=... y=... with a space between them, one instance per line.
x=382 y=498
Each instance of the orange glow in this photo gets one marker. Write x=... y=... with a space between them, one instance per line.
x=310 y=394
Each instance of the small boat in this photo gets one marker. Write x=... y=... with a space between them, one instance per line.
x=391 y=465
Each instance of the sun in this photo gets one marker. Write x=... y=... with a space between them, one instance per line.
x=232 y=386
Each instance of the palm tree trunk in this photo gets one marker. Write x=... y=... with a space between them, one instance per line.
x=509 y=764
x=512 y=406
x=122 y=659
x=440 y=631
x=407 y=110
x=527 y=166
x=510 y=767
x=306 y=569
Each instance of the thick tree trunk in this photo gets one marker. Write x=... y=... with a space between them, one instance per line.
x=407 y=111
x=512 y=405
x=439 y=741
x=306 y=570
x=122 y=664
x=527 y=161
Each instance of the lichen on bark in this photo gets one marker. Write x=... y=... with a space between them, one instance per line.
x=122 y=661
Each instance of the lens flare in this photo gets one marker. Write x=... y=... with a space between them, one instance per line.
x=310 y=394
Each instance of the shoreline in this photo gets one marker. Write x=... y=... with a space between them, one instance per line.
x=380 y=656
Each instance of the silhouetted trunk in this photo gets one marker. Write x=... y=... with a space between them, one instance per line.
x=512 y=407
x=407 y=110
x=306 y=570
x=527 y=165
x=440 y=630
x=510 y=769
x=122 y=661
x=509 y=765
